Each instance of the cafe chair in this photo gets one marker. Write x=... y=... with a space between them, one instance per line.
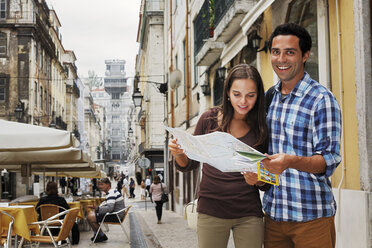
x=66 y=226
x=121 y=221
x=6 y=233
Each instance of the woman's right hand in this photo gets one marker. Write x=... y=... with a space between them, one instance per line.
x=178 y=153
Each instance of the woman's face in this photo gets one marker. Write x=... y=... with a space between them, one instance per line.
x=243 y=96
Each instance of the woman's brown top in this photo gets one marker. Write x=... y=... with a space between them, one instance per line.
x=224 y=194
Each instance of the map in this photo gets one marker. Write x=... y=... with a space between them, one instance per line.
x=218 y=149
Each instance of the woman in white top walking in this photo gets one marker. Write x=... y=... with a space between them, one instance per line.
x=156 y=192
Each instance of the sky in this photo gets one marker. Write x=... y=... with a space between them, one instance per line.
x=97 y=30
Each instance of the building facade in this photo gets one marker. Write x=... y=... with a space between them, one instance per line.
x=204 y=39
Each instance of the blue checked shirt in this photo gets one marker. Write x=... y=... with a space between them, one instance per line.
x=306 y=122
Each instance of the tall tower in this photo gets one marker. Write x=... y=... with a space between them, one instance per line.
x=115 y=84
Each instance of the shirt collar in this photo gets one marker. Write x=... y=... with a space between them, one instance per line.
x=300 y=87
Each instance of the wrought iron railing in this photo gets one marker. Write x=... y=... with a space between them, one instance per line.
x=220 y=9
x=201 y=26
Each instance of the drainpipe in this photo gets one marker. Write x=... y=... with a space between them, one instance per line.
x=171 y=61
x=341 y=92
x=187 y=67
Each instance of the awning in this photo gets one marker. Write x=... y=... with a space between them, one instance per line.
x=15 y=136
x=240 y=39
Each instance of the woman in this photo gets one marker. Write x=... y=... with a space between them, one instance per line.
x=230 y=201
x=156 y=192
x=132 y=186
x=52 y=197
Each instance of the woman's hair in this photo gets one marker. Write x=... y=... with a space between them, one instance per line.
x=256 y=117
x=51 y=188
x=156 y=179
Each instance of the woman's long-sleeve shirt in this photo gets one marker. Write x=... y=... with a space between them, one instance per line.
x=224 y=194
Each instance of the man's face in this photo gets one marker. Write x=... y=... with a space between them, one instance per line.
x=105 y=187
x=287 y=59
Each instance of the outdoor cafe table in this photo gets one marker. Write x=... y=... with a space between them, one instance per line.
x=33 y=203
x=87 y=205
x=77 y=205
x=23 y=215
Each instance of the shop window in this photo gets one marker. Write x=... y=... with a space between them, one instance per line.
x=304 y=13
x=2 y=88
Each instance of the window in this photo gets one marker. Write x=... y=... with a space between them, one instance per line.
x=45 y=100
x=3 y=9
x=2 y=88
x=107 y=67
x=115 y=119
x=116 y=156
x=35 y=94
x=41 y=97
x=115 y=96
x=3 y=44
x=304 y=13
x=115 y=144
x=115 y=132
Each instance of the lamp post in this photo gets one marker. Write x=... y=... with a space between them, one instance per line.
x=256 y=39
x=137 y=98
x=19 y=110
x=130 y=132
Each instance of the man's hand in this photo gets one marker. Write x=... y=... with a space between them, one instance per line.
x=276 y=163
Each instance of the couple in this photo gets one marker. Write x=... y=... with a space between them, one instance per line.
x=301 y=133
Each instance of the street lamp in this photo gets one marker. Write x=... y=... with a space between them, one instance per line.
x=19 y=110
x=256 y=39
x=130 y=132
x=137 y=98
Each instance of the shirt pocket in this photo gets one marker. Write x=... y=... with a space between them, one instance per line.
x=298 y=135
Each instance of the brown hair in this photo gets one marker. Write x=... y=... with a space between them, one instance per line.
x=256 y=118
x=51 y=188
x=105 y=180
x=156 y=179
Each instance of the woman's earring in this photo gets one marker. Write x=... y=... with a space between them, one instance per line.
x=228 y=98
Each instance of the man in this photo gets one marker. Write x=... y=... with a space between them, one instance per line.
x=304 y=121
x=114 y=202
x=148 y=184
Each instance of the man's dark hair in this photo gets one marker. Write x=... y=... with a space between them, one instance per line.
x=51 y=188
x=296 y=30
x=105 y=180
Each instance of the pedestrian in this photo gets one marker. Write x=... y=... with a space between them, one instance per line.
x=132 y=186
x=304 y=122
x=142 y=190
x=148 y=184
x=225 y=201
x=156 y=190
x=125 y=187
x=62 y=183
x=114 y=202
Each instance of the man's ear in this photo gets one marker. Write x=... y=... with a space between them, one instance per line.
x=305 y=57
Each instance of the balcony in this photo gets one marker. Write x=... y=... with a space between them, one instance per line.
x=207 y=51
x=228 y=16
x=154 y=6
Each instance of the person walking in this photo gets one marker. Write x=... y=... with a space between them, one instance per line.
x=225 y=201
x=304 y=122
x=132 y=186
x=148 y=184
x=125 y=187
x=142 y=190
x=156 y=190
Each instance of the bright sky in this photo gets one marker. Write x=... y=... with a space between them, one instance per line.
x=97 y=30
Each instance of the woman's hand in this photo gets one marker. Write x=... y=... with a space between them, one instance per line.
x=178 y=153
x=251 y=178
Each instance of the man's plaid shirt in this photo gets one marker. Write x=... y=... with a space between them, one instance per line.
x=304 y=123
